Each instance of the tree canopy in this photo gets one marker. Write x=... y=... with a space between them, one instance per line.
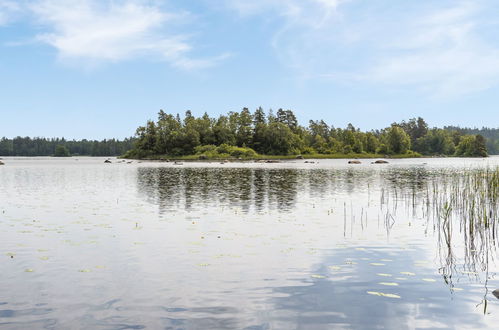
x=279 y=133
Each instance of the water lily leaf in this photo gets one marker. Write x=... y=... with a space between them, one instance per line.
x=389 y=283
x=376 y=264
x=408 y=273
x=84 y=270
x=385 y=275
x=29 y=270
x=203 y=265
x=381 y=294
x=318 y=276
x=457 y=289
x=44 y=258
x=429 y=280
x=10 y=254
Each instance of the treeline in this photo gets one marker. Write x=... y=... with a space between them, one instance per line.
x=26 y=146
x=281 y=134
x=490 y=134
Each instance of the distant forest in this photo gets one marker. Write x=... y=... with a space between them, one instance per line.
x=490 y=134
x=25 y=146
x=246 y=134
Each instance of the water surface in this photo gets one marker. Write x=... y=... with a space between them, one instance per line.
x=292 y=245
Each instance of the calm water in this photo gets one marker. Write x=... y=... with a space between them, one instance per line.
x=88 y=245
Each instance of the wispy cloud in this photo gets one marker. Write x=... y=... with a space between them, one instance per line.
x=108 y=30
x=438 y=48
x=8 y=9
x=93 y=32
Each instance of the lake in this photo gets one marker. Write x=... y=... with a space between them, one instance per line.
x=293 y=245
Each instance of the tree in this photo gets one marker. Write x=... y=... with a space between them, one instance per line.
x=61 y=151
x=398 y=140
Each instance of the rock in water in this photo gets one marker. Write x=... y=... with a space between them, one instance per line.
x=496 y=293
x=354 y=162
x=381 y=162
x=107 y=161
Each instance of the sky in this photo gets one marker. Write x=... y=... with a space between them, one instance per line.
x=98 y=69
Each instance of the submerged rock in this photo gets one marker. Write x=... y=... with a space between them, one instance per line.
x=496 y=293
x=354 y=162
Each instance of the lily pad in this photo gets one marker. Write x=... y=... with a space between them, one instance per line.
x=389 y=283
x=318 y=276
x=381 y=294
x=408 y=273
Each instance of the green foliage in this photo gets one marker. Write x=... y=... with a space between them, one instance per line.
x=398 y=141
x=472 y=146
x=25 y=146
x=61 y=151
x=245 y=135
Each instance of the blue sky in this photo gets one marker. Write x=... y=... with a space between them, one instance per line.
x=99 y=68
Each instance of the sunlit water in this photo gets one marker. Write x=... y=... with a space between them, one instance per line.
x=89 y=245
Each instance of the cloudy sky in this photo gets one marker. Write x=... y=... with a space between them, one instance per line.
x=100 y=68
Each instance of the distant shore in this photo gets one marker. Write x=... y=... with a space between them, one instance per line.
x=277 y=157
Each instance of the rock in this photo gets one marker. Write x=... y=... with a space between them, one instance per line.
x=496 y=293
x=380 y=161
x=178 y=163
x=107 y=161
x=2 y=163
x=309 y=162
x=299 y=157
x=272 y=161
x=354 y=162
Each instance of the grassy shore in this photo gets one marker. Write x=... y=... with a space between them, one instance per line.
x=281 y=157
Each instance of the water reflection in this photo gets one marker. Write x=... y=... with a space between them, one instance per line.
x=245 y=246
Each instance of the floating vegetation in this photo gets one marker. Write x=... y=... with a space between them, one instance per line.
x=318 y=276
x=388 y=283
x=44 y=258
x=429 y=280
x=381 y=294
x=334 y=267
x=376 y=264
x=29 y=270
x=84 y=270
x=204 y=265
x=408 y=273
x=384 y=275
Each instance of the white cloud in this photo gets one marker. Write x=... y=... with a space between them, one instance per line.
x=436 y=47
x=8 y=9
x=92 y=32
x=442 y=53
x=108 y=30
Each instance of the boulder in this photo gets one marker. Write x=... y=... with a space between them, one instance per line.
x=354 y=162
x=496 y=293
x=380 y=161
